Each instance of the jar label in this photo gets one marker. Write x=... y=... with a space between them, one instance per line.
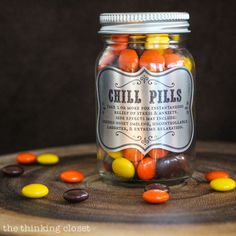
x=145 y=110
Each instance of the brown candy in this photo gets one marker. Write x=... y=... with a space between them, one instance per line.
x=136 y=42
x=75 y=195
x=13 y=170
x=172 y=166
x=158 y=186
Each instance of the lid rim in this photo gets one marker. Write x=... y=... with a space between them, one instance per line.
x=144 y=22
x=129 y=17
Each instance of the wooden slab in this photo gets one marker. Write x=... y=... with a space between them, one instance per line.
x=193 y=205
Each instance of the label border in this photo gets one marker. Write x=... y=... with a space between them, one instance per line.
x=139 y=72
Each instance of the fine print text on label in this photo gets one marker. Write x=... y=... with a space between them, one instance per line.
x=145 y=110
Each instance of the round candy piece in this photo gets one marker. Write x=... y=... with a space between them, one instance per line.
x=13 y=170
x=172 y=166
x=157 y=153
x=35 y=191
x=223 y=184
x=128 y=60
x=146 y=169
x=175 y=37
x=71 y=176
x=133 y=154
x=115 y=154
x=48 y=159
x=75 y=195
x=137 y=42
x=158 y=186
x=106 y=59
x=188 y=63
x=215 y=175
x=173 y=60
x=118 y=47
x=157 y=41
x=26 y=158
x=120 y=42
x=155 y=196
x=168 y=50
x=123 y=168
x=152 y=60
x=120 y=38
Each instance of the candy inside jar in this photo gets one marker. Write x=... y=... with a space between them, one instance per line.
x=145 y=98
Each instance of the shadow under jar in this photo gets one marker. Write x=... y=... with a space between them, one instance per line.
x=145 y=80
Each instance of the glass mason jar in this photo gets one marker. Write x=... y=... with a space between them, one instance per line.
x=145 y=80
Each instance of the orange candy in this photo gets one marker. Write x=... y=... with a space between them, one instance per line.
x=120 y=38
x=118 y=47
x=169 y=50
x=26 y=158
x=173 y=60
x=133 y=154
x=155 y=196
x=157 y=153
x=120 y=42
x=71 y=176
x=215 y=175
x=152 y=60
x=146 y=168
x=128 y=60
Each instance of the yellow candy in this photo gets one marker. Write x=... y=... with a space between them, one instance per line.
x=137 y=36
x=157 y=41
x=115 y=154
x=35 y=191
x=188 y=63
x=223 y=184
x=48 y=159
x=100 y=153
x=175 y=37
x=123 y=168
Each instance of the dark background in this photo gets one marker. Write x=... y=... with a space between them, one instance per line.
x=47 y=55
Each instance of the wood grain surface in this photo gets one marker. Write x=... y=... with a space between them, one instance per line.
x=193 y=209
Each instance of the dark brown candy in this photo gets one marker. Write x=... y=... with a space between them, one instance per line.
x=136 y=42
x=158 y=186
x=139 y=48
x=75 y=195
x=13 y=170
x=172 y=166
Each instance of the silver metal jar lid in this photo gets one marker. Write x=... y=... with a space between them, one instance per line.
x=144 y=22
